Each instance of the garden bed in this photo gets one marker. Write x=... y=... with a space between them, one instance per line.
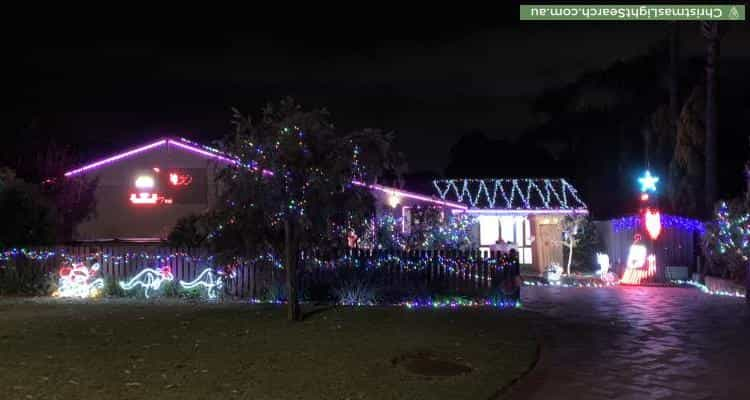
x=173 y=349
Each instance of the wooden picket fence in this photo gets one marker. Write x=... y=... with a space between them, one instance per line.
x=470 y=273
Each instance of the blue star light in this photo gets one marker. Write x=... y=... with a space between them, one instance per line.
x=648 y=182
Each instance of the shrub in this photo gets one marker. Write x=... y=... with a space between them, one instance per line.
x=170 y=289
x=192 y=294
x=275 y=292
x=356 y=292
x=318 y=291
x=112 y=289
x=26 y=281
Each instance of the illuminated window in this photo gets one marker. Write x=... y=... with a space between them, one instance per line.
x=144 y=182
x=489 y=230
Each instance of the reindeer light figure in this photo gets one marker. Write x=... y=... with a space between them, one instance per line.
x=209 y=279
x=149 y=279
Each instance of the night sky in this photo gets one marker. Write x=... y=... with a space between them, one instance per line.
x=104 y=85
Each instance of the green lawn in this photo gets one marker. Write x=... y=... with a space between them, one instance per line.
x=137 y=350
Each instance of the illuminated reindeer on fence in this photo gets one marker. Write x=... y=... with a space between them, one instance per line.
x=149 y=279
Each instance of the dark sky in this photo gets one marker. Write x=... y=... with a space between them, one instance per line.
x=100 y=86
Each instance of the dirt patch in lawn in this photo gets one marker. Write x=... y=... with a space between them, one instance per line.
x=135 y=349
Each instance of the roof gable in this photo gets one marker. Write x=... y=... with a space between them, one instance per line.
x=210 y=152
x=176 y=142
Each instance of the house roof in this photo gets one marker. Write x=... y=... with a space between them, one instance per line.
x=177 y=142
x=537 y=194
x=220 y=156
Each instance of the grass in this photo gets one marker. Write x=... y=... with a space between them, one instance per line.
x=131 y=349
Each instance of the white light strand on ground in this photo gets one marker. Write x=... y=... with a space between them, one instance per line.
x=706 y=290
x=570 y=285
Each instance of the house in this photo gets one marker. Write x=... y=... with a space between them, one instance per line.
x=142 y=192
x=527 y=212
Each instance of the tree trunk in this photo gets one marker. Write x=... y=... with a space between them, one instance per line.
x=711 y=33
x=570 y=255
x=290 y=261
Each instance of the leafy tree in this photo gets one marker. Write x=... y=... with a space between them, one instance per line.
x=291 y=190
x=7 y=177
x=431 y=229
x=618 y=100
x=73 y=197
x=190 y=231
x=725 y=243
x=712 y=34
x=28 y=218
x=588 y=243
x=686 y=170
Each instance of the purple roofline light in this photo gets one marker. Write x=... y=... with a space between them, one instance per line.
x=115 y=158
x=411 y=195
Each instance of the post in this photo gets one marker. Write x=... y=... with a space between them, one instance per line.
x=290 y=250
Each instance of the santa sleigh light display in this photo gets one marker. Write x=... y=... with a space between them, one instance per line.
x=78 y=280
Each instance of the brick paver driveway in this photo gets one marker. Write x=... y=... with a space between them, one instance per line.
x=638 y=343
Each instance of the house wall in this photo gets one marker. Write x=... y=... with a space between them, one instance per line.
x=547 y=246
x=117 y=217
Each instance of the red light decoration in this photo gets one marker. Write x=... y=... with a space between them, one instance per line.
x=652 y=220
x=644 y=196
x=640 y=265
x=635 y=276
x=178 y=179
x=144 y=198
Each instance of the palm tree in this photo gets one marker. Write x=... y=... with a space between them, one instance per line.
x=711 y=34
x=674 y=77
